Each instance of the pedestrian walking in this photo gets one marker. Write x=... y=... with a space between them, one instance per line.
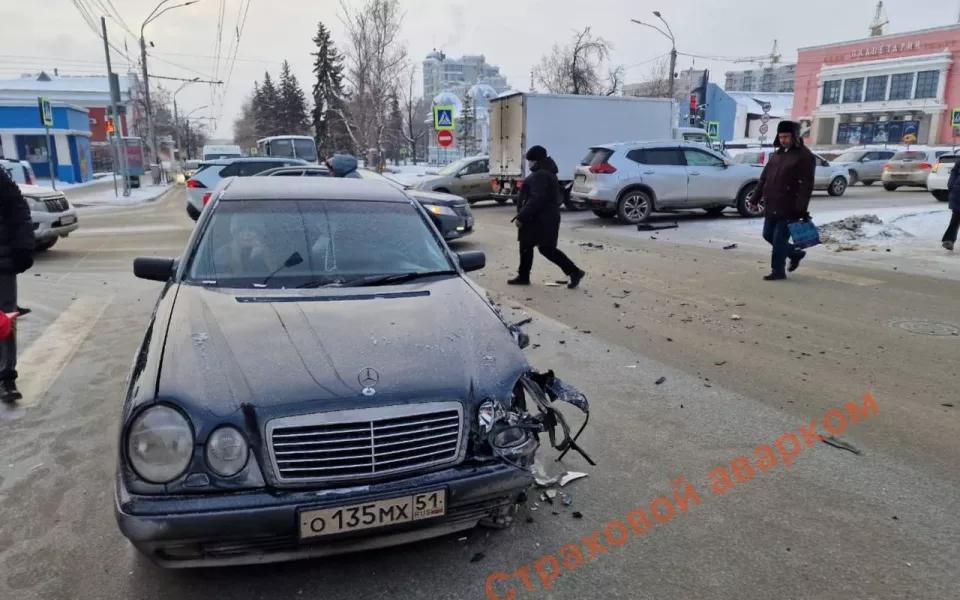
x=16 y=256
x=953 y=186
x=785 y=186
x=538 y=219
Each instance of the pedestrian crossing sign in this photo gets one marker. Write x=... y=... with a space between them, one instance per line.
x=443 y=118
x=956 y=117
x=713 y=130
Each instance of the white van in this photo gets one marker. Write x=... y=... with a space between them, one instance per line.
x=221 y=152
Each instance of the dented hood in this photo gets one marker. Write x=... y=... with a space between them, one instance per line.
x=429 y=340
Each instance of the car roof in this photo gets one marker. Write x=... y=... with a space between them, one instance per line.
x=652 y=144
x=242 y=159
x=311 y=188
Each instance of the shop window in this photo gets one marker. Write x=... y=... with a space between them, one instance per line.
x=831 y=92
x=853 y=90
x=901 y=86
x=927 y=82
x=36 y=148
x=877 y=88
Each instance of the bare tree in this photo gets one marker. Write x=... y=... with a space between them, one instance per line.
x=414 y=109
x=375 y=58
x=657 y=82
x=576 y=67
x=245 y=126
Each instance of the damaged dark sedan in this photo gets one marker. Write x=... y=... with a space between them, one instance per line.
x=319 y=377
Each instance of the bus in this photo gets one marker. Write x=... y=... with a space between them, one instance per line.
x=289 y=146
x=215 y=152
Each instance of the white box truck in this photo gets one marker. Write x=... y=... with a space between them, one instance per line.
x=567 y=126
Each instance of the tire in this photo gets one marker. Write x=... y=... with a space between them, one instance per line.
x=501 y=200
x=715 y=211
x=192 y=212
x=605 y=214
x=941 y=195
x=890 y=187
x=634 y=207
x=44 y=246
x=744 y=198
x=867 y=182
x=837 y=187
x=854 y=178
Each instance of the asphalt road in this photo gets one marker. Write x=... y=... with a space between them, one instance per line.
x=879 y=524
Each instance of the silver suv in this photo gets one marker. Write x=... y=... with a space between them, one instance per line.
x=630 y=180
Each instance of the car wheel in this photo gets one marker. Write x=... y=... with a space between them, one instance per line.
x=854 y=178
x=744 y=198
x=941 y=195
x=634 y=207
x=867 y=182
x=837 y=187
x=45 y=245
x=501 y=200
x=605 y=214
x=715 y=211
x=890 y=187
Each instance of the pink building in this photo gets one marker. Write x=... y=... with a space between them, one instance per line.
x=898 y=88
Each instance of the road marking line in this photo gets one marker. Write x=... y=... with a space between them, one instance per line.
x=842 y=278
x=43 y=361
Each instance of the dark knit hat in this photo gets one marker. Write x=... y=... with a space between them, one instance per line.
x=787 y=127
x=537 y=153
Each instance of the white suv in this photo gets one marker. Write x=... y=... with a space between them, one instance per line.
x=631 y=180
x=201 y=184
x=940 y=175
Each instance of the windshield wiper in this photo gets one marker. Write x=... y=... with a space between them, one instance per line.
x=398 y=278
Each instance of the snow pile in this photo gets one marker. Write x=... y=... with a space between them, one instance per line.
x=106 y=197
x=860 y=228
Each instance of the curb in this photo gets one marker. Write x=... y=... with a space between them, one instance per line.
x=156 y=198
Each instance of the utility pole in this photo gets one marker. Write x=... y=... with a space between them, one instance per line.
x=155 y=151
x=673 y=68
x=117 y=142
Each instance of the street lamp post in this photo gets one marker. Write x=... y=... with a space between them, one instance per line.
x=146 y=80
x=186 y=121
x=176 y=121
x=673 y=49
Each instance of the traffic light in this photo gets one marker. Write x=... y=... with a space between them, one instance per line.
x=693 y=103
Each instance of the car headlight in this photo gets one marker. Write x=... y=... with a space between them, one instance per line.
x=509 y=438
x=159 y=444
x=34 y=204
x=439 y=210
x=226 y=451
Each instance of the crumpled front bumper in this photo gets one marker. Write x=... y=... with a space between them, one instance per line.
x=262 y=527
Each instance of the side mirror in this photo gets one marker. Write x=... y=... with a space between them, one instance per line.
x=154 y=269
x=472 y=261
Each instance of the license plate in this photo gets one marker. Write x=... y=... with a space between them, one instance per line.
x=370 y=515
x=506 y=188
x=899 y=176
x=580 y=178
x=68 y=220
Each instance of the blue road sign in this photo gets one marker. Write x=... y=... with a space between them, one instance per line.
x=443 y=118
x=713 y=130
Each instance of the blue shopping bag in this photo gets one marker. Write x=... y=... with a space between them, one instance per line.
x=804 y=234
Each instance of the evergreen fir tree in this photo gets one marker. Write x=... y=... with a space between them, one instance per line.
x=328 y=94
x=395 y=124
x=291 y=104
x=267 y=105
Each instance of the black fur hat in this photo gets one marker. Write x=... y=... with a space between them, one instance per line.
x=787 y=127
x=537 y=153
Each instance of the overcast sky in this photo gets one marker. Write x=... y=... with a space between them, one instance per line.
x=513 y=34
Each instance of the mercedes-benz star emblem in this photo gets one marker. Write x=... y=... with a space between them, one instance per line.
x=368 y=378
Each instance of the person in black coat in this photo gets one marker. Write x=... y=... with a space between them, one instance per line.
x=16 y=256
x=538 y=219
x=953 y=185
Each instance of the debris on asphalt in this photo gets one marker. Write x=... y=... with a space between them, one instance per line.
x=551 y=284
x=523 y=322
x=649 y=227
x=462 y=539
x=616 y=305
x=720 y=363
x=534 y=346
x=837 y=443
x=577 y=514
x=540 y=475
x=736 y=318
x=529 y=519
x=631 y=366
x=567 y=499
x=669 y=339
x=477 y=557
x=563 y=341
x=947 y=404
x=661 y=380
x=571 y=476
x=550 y=494
x=730 y=247
x=630 y=326
x=591 y=245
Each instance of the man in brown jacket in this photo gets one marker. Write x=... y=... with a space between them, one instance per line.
x=785 y=187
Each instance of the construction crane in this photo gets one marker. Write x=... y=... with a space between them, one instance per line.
x=879 y=20
x=773 y=57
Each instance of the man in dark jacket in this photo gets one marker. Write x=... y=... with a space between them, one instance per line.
x=538 y=219
x=16 y=256
x=953 y=185
x=785 y=187
x=343 y=165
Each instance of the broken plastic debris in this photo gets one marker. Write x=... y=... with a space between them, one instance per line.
x=837 y=443
x=571 y=476
x=661 y=380
x=550 y=494
x=540 y=476
x=551 y=284
x=577 y=514
x=477 y=557
x=735 y=317
x=567 y=499
x=730 y=247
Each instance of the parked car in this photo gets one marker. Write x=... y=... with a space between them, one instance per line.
x=866 y=166
x=53 y=216
x=19 y=170
x=468 y=178
x=940 y=175
x=910 y=168
x=190 y=168
x=209 y=174
x=828 y=176
x=451 y=214
x=346 y=399
x=631 y=180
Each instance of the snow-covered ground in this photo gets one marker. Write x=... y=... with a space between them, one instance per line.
x=106 y=198
x=61 y=185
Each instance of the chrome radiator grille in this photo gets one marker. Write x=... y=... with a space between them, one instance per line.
x=365 y=443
